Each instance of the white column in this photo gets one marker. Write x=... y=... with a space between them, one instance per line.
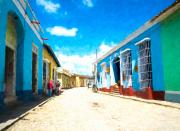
x=112 y=73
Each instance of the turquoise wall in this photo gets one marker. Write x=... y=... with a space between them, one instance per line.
x=170 y=35
x=24 y=49
x=156 y=54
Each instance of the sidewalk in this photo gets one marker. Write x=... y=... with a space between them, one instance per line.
x=157 y=102
x=12 y=114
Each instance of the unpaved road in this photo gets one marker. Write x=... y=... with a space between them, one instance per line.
x=79 y=109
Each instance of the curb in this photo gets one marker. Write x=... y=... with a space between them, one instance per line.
x=156 y=102
x=23 y=115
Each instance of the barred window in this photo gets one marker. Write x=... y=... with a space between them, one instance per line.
x=144 y=63
x=126 y=65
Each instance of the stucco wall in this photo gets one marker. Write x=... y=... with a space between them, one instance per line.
x=53 y=65
x=170 y=35
x=24 y=52
x=154 y=34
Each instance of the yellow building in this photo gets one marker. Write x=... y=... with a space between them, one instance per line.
x=79 y=80
x=73 y=80
x=50 y=65
x=64 y=77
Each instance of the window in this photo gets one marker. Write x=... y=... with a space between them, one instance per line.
x=126 y=65
x=53 y=76
x=144 y=63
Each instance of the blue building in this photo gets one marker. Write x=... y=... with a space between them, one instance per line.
x=146 y=63
x=21 y=48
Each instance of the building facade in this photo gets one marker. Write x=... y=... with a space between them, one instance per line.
x=50 y=65
x=145 y=64
x=78 y=80
x=64 y=77
x=21 y=52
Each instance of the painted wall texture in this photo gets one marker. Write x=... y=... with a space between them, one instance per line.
x=64 y=79
x=78 y=80
x=164 y=49
x=154 y=35
x=170 y=34
x=51 y=61
x=26 y=36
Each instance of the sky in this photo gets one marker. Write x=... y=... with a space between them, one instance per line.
x=76 y=28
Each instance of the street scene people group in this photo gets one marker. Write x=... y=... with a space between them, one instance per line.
x=54 y=89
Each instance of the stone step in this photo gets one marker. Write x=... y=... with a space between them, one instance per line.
x=116 y=90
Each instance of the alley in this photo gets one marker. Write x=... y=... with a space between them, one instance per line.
x=79 y=109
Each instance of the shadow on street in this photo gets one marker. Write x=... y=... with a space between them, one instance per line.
x=16 y=110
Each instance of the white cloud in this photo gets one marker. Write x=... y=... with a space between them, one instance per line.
x=104 y=48
x=48 y=5
x=82 y=64
x=62 y=31
x=88 y=3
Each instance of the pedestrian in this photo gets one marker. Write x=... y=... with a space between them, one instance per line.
x=50 y=88
x=58 y=87
x=88 y=84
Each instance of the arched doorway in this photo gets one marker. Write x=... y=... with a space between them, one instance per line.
x=13 y=39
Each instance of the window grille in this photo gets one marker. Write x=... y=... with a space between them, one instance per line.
x=144 y=64
x=126 y=65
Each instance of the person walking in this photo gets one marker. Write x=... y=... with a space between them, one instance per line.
x=50 y=88
x=88 y=85
x=58 y=84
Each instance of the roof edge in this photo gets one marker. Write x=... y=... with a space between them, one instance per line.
x=161 y=16
x=50 y=50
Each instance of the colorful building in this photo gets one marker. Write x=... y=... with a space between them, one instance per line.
x=50 y=65
x=146 y=63
x=64 y=77
x=73 y=80
x=78 y=80
x=21 y=52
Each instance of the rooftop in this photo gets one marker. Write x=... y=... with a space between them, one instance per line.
x=50 y=50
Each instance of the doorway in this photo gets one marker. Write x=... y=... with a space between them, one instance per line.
x=10 y=94
x=10 y=61
x=117 y=70
x=46 y=76
x=34 y=74
x=117 y=74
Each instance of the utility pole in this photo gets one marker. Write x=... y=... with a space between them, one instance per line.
x=96 y=69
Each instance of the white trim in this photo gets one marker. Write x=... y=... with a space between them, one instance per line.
x=17 y=4
x=173 y=92
x=46 y=60
x=34 y=48
x=10 y=45
x=124 y=51
x=36 y=53
x=142 y=29
x=104 y=63
x=141 y=41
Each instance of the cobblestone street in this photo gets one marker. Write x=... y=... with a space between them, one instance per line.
x=79 y=109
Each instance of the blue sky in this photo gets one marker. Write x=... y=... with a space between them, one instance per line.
x=76 y=28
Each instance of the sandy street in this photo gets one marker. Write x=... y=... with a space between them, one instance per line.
x=79 y=109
